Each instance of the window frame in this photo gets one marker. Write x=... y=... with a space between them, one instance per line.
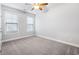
x=33 y=29
x=11 y=23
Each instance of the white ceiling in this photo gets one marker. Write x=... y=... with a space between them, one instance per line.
x=20 y=6
x=27 y=6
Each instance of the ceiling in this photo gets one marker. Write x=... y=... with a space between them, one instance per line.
x=20 y=6
x=27 y=6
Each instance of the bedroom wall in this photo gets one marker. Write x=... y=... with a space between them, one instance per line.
x=61 y=22
x=0 y=27
x=22 y=23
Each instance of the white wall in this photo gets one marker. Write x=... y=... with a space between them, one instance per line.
x=60 y=22
x=22 y=23
x=0 y=27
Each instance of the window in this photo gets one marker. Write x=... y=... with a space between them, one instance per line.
x=11 y=22
x=30 y=24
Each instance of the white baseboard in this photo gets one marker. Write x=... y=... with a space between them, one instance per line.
x=17 y=38
x=49 y=38
x=64 y=42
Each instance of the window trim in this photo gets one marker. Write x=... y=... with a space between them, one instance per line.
x=11 y=23
x=33 y=25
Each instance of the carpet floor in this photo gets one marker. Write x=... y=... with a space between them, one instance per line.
x=37 y=46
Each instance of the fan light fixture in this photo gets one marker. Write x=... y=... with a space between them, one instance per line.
x=39 y=6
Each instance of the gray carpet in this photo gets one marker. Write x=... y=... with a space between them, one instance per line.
x=37 y=46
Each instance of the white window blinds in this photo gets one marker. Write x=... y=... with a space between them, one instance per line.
x=30 y=24
x=11 y=22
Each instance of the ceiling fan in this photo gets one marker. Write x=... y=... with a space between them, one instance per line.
x=37 y=6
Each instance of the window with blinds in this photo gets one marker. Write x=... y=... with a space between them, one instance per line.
x=30 y=24
x=11 y=21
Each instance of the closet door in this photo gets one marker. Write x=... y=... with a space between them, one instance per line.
x=0 y=28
